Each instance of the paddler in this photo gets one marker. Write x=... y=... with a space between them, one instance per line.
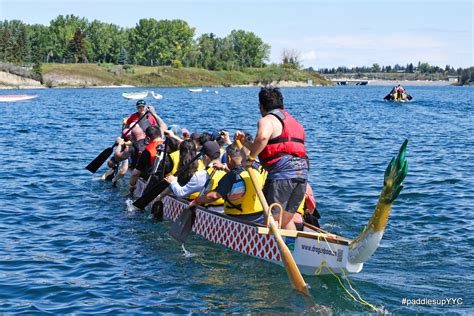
x=236 y=189
x=279 y=144
x=146 y=161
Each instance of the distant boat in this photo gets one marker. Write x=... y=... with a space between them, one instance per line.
x=156 y=96
x=195 y=90
x=18 y=97
x=135 y=95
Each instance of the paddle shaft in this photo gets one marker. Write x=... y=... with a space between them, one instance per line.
x=159 y=187
x=135 y=124
x=292 y=270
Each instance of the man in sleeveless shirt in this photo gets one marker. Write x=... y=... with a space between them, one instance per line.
x=279 y=145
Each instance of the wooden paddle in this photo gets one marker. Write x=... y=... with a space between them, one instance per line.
x=292 y=270
x=95 y=164
x=159 y=187
x=183 y=225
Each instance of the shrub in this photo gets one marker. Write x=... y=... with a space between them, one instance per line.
x=176 y=63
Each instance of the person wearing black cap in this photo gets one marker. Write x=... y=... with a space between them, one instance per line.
x=191 y=190
x=236 y=189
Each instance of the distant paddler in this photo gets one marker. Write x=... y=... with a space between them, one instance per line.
x=146 y=161
x=280 y=146
x=151 y=119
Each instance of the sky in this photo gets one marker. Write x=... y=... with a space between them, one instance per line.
x=324 y=34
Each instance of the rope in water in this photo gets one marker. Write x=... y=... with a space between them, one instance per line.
x=359 y=299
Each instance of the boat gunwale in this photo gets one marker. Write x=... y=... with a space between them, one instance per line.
x=316 y=235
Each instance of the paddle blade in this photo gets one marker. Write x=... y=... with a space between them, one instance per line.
x=99 y=160
x=183 y=225
x=150 y=195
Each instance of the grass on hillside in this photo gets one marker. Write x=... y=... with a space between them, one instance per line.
x=109 y=74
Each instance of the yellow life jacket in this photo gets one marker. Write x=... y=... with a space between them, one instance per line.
x=201 y=165
x=175 y=159
x=211 y=186
x=248 y=203
x=218 y=175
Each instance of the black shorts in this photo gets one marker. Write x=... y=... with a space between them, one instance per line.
x=288 y=193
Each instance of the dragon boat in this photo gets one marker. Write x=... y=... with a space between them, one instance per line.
x=315 y=251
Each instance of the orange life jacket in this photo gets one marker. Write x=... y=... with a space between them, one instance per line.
x=151 y=148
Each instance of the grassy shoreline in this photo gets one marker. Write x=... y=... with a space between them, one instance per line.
x=100 y=75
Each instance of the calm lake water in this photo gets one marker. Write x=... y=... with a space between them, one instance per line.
x=68 y=244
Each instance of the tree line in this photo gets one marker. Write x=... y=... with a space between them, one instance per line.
x=424 y=68
x=71 y=39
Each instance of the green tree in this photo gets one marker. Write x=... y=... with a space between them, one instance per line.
x=39 y=43
x=191 y=55
x=155 y=42
x=290 y=59
x=123 y=57
x=424 y=68
x=14 y=46
x=76 y=51
x=62 y=30
x=250 y=50
x=466 y=76
x=375 y=68
x=104 y=41
x=206 y=45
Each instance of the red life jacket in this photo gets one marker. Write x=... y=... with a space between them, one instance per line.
x=151 y=147
x=291 y=140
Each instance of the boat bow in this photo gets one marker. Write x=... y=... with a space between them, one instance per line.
x=368 y=241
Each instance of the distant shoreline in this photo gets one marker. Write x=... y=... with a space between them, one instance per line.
x=412 y=83
x=93 y=76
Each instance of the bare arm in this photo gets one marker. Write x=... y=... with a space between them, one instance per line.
x=170 y=134
x=206 y=198
x=241 y=136
x=264 y=132
x=158 y=119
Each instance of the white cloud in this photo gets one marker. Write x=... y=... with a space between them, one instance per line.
x=309 y=56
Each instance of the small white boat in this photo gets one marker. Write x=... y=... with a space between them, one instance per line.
x=135 y=95
x=156 y=96
x=17 y=97
x=195 y=90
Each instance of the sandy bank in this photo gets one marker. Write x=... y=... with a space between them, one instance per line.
x=11 y=81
